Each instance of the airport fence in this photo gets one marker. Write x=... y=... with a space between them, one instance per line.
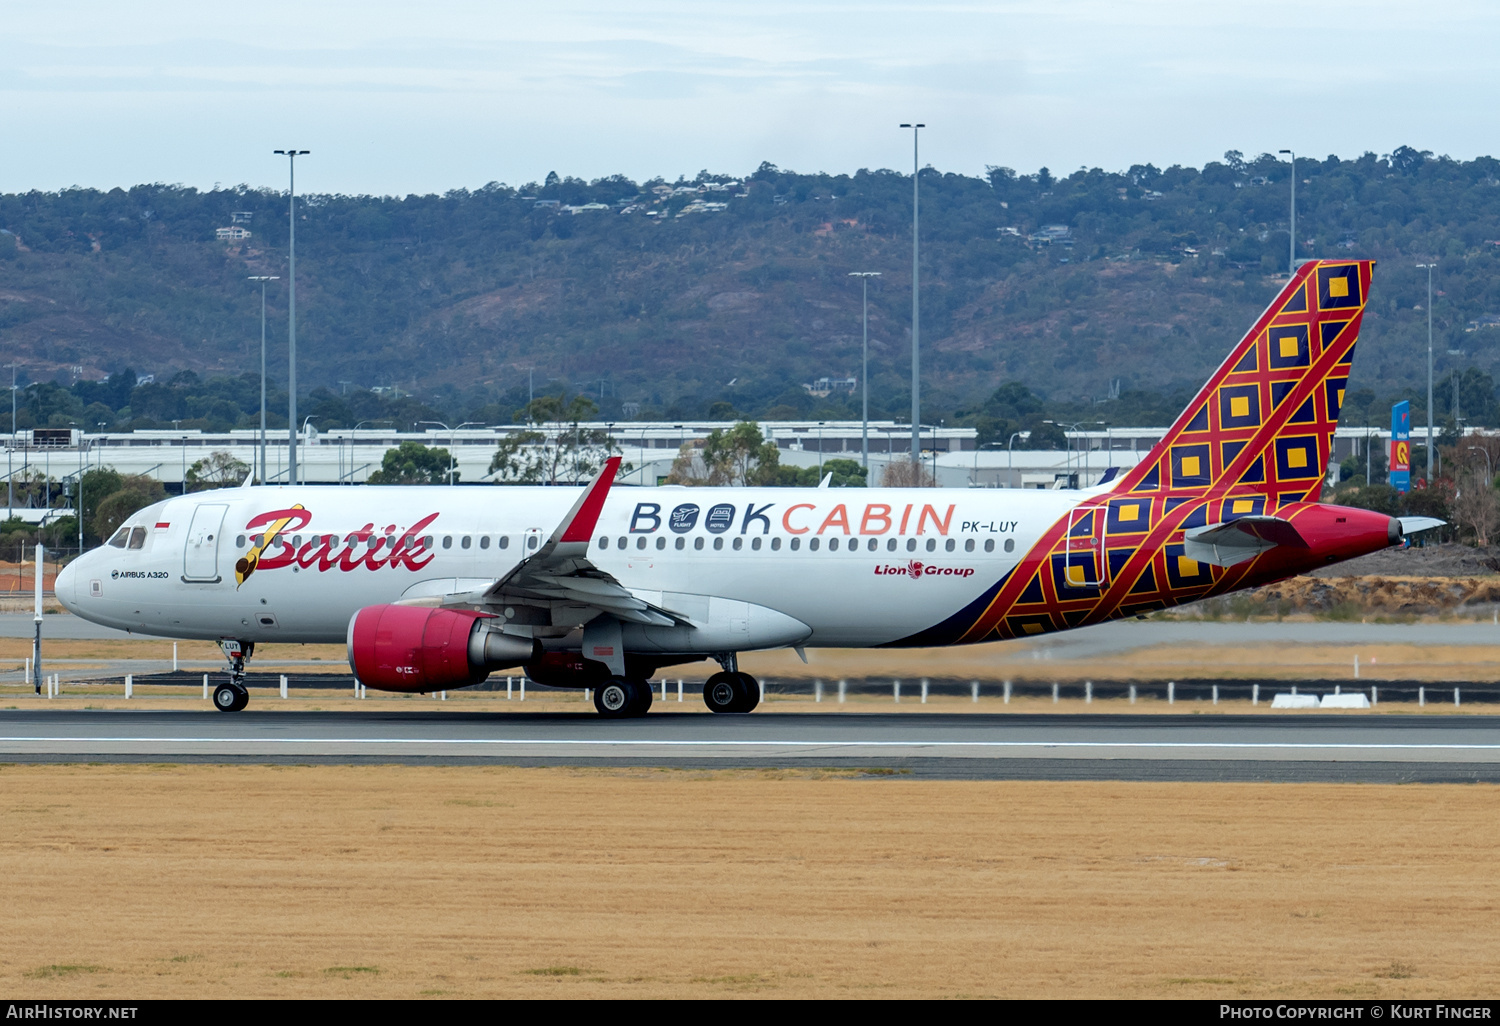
x=1191 y=693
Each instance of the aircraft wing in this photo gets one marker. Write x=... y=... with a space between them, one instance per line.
x=561 y=572
x=1235 y=541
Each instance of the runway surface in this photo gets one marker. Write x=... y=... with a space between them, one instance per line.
x=1289 y=747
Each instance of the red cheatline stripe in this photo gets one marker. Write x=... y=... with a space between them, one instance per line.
x=582 y=526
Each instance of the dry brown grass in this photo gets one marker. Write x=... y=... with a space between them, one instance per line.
x=139 y=882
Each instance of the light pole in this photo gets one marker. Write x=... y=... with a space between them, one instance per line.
x=864 y=367
x=1489 y=464
x=291 y=312
x=10 y=470
x=1428 y=268
x=1074 y=428
x=354 y=440
x=303 y=433
x=452 y=441
x=1292 y=259
x=916 y=318
x=263 y=278
x=1010 y=459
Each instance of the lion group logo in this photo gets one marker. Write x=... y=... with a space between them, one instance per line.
x=916 y=570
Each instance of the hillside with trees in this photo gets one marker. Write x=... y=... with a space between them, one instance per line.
x=1094 y=295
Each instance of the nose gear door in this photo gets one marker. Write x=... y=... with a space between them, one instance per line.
x=200 y=559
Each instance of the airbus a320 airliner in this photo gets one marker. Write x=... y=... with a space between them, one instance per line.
x=433 y=588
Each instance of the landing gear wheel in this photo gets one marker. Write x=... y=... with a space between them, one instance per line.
x=731 y=693
x=752 y=692
x=619 y=697
x=643 y=697
x=612 y=698
x=230 y=697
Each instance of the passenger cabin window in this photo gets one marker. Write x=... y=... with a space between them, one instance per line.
x=484 y=541
x=504 y=542
x=137 y=537
x=1010 y=545
x=531 y=542
x=465 y=541
x=447 y=541
x=120 y=538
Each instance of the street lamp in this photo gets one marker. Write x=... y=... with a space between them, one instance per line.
x=864 y=367
x=10 y=494
x=916 y=319
x=1074 y=428
x=263 y=278
x=1010 y=459
x=291 y=312
x=1292 y=259
x=303 y=433
x=1428 y=268
x=1488 y=464
x=452 y=441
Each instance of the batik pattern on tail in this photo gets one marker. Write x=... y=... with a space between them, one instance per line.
x=1255 y=440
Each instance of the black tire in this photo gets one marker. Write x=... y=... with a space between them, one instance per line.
x=230 y=697
x=752 y=693
x=616 y=698
x=725 y=693
x=643 y=697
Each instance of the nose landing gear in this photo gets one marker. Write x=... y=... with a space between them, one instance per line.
x=731 y=693
x=232 y=696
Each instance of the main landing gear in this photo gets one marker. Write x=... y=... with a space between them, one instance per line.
x=232 y=696
x=729 y=690
x=619 y=697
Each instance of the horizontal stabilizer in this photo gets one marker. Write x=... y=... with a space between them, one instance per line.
x=1226 y=544
x=1414 y=525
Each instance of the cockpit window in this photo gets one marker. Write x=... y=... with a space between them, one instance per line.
x=137 y=537
x=118 y=541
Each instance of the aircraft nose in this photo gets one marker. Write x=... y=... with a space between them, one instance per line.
x=66 y=585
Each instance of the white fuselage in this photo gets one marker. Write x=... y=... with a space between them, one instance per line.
x=859 y=567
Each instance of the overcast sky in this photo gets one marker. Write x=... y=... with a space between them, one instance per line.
x=395 y=98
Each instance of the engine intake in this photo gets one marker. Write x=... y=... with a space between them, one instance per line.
x=417 y=648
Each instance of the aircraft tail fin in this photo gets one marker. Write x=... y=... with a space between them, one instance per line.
x=1262 y=426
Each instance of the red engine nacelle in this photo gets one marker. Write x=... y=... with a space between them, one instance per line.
x=418 y=648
